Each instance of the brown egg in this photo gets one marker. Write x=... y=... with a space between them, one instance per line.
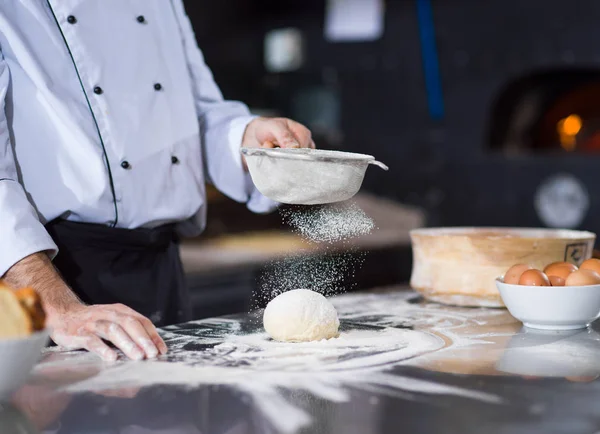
x=591 y=264
x=556 y=281
x=560 y=269
x=583 y=278
x=534 y=278
x=513 y=274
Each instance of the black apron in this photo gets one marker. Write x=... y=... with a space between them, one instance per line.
x=140 y=268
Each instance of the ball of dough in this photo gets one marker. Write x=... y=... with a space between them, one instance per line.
x=301 y=315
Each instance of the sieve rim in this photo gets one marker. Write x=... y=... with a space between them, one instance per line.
x=309 y=155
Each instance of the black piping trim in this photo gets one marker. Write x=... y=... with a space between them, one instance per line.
x=110 y=177
x=7 y=179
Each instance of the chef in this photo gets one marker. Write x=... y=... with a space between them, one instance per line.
x=110 y=124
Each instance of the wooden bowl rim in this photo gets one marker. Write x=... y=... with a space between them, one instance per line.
x=502 y=232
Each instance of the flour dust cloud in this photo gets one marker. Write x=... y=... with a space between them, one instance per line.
x=327 y=274
x=330 y=271
x=328 y=223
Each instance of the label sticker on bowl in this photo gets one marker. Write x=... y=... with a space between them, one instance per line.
x=576 y=253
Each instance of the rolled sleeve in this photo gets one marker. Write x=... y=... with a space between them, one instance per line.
x=223 y=124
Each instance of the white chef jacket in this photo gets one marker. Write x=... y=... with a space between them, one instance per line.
x=109 y=116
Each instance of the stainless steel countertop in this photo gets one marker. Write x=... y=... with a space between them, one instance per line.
x=400 y=365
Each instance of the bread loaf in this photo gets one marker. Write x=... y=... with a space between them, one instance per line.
x=21 y=312
x=31 y=302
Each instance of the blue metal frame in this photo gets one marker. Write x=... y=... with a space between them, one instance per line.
x=431 y=69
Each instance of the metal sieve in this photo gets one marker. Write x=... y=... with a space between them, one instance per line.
x=307 y=176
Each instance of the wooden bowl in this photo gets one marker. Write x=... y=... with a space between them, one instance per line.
x=458 y=266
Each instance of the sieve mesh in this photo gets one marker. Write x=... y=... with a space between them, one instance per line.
x=307 y=176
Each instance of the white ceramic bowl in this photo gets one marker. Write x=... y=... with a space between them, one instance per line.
x=552 y=307
x=17 y=359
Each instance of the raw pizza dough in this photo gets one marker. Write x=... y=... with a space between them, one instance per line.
x=301 y=315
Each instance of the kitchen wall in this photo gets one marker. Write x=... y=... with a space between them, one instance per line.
x=377 y=100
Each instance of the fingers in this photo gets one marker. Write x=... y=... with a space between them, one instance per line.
x=268 y=144
x=149 y=339
x=118 y=324
x=301 y=133
x=140 y=336
x=95 y=345
x=283 y=135
x=157 y=342
x=114 y=333
x=286 y=133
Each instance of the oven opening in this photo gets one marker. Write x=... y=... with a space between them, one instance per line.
x=552 y=112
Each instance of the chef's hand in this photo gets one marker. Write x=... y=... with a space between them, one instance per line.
x=75 y=325
x=276 y=132
x=85 y=327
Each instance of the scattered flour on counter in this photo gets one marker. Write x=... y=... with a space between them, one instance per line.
x=354 y=349
x=328 y=223
x=259 y=367
x=376 y=337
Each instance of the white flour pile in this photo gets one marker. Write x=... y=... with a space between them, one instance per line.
x=328 y=223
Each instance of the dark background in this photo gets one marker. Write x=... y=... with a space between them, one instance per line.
x=494 y=58
x=475 y=153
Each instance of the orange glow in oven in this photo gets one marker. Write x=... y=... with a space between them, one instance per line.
x=567 y=129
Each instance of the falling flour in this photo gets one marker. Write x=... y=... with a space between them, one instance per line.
x=328 y=274
x=328 y=223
